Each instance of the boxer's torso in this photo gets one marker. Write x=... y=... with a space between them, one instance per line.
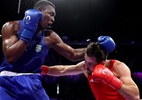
x=102 y=91
x=33 y=56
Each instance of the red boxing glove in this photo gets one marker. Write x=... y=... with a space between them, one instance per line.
x=44 y=69
x=103 y=74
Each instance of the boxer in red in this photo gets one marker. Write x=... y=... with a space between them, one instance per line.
x=109 y=79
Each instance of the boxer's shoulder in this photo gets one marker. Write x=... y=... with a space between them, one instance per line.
x=50 y=32
x=10 y=26
x=52 y=36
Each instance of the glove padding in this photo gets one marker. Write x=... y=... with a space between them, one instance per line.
x=106 y=43
x=30 y=24
x=102 y=73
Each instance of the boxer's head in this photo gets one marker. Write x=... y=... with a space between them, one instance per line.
x=48 y=10
x=97 y=53
x=93 y=56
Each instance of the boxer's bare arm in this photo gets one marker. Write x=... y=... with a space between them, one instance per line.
x=129 y=89
x=55 y=42
x=12 y=47
x=62 y=70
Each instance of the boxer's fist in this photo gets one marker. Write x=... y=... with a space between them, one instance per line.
x=106 y=43
x=30 y=24
x=101 y=73
x=31 y=19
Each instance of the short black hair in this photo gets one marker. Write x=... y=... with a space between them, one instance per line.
x=94 y=50
x=42 y=4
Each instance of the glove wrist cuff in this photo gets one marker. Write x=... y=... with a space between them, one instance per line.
x=27 y=35
x=116 y=83
x=44 y=69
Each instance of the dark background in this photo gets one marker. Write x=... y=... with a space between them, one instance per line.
x=80 y=20
x=83 y=19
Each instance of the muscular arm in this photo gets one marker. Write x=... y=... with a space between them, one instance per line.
x=62 y=70
x=129 y=89
x=55 y=42
x=12 y=47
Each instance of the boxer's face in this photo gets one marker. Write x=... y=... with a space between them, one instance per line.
x=90 y=62
x=48 y=19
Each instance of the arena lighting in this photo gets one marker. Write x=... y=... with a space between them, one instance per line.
x=57 y=88
x=132 y=42
x=88 y=40
x=137 y=75
x=19 y=5
x=23 y=5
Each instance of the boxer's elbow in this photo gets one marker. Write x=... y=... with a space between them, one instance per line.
x=137 y=96
x=134 y=98
x=75 y=58
x=11 y=60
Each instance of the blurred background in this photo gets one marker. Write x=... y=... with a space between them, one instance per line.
x=78 y=22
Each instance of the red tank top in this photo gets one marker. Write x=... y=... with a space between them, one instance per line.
x=102 y=91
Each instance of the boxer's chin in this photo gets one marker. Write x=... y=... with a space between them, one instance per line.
x=89 y=72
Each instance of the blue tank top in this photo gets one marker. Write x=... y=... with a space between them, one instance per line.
x=33 y=57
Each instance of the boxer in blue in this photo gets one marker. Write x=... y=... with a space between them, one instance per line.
x=25 y=45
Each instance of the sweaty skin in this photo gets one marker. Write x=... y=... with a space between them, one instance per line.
x=128 y=91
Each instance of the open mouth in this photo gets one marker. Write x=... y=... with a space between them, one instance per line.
x=48 y=26
x=89 y=72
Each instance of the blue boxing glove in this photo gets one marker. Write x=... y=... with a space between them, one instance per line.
x=30 y=24
x=106 y=43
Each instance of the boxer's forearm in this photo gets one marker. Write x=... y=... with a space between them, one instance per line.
x=60 y=70
x=130 y=92
x=79 y=54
